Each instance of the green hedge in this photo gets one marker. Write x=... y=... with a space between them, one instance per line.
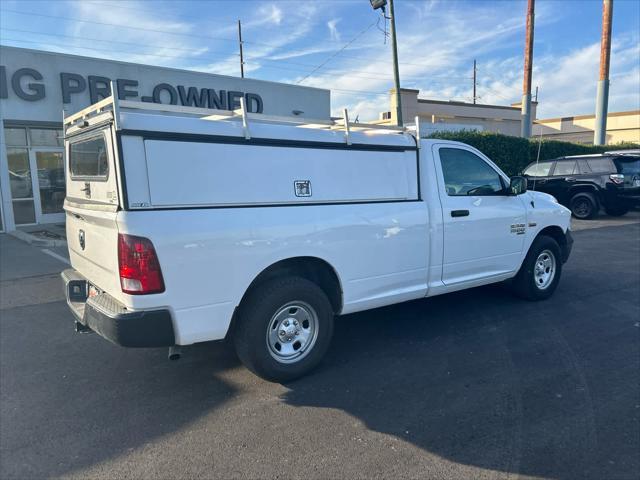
x=512 y=154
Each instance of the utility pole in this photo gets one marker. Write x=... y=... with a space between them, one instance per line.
x=602 y=99
x=241 y=55
x=376 y=4
x=525 y=117
x=474 y=81
x=396 y=72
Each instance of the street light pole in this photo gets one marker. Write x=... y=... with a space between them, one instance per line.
x=396 y=72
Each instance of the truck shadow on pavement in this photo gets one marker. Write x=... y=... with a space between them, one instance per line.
x=71 y=402
x=475 y=379
x=483 y=379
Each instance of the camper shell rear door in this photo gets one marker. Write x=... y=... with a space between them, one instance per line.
x=91 y=206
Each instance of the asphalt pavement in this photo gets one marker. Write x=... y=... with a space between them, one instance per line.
x=475 y=384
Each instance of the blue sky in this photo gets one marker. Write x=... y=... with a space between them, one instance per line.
x=287 y=40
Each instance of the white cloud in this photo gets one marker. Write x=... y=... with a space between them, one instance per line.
x=333 y=31
x=436 y=51
x=269 y=14
x=145 y=36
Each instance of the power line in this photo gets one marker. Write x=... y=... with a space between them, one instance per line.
x=94 y=22
x=101 y=40
x=337 y=52
x=131 y=27
x=363 y=92
x=353 y=73
x=175 y=33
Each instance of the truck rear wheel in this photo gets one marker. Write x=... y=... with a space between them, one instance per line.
x=283 y=329
x=584 y=206
x=540 y=272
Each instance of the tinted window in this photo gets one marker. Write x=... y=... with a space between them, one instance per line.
x=565 y=168
x=465 y=173
x=538 y=170
x=600 y=165
x=88 y=158
x=584 y=168
x=628 y=166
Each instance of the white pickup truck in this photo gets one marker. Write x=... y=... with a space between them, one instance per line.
x=188 y=225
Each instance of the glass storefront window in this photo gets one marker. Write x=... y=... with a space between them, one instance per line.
x=15 y=136
x=19 y=173
x=51 y=181
x=36 y=173
x=46 y=137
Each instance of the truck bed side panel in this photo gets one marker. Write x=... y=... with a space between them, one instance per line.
x=209 y=256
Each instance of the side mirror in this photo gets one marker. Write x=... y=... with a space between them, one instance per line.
x=517 y=186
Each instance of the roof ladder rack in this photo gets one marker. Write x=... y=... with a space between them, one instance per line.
x=116 y=106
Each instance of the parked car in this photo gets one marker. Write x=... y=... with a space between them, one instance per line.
x=186 y=226
x=584 y=183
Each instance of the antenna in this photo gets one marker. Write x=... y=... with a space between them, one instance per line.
x=241 y=53
x=538 y=156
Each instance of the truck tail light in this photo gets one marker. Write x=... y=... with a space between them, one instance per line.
x=617 y=178
x=140 y=272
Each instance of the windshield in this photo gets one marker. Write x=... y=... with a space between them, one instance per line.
x=538 y=169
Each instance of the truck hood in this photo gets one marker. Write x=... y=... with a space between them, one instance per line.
x=541 y=196
x=545 y=210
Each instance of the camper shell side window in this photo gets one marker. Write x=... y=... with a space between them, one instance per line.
x=89 y=158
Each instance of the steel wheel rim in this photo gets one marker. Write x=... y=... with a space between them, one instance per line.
x=581 y=208
x=292 y=332
x=544 y=270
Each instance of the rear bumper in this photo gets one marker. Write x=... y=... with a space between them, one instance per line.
x=110 y=319
x=622 y=197
x=630 y=200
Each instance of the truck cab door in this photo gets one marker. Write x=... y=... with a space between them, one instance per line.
x=484 y=226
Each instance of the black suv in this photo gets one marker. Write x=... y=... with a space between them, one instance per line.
x=585 y=183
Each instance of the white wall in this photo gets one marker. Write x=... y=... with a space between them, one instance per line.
x=278 y=98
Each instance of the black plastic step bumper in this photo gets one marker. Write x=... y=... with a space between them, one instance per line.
x=110 y=319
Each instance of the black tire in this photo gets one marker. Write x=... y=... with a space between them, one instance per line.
x=584 y=206
x=256 y=315
x=616 y=211
x=525 y=284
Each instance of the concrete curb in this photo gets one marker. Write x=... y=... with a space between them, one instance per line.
x=37 y=241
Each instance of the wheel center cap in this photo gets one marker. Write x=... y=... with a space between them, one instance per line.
x=289 y=329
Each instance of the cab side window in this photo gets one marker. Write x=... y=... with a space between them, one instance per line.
x=541 y=169
x=566 y=168
x=465 y=173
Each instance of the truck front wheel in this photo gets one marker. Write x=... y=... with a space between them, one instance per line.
x=283 y=329
x=540 y=272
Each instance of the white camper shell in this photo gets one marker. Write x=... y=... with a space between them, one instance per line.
x=187 y=225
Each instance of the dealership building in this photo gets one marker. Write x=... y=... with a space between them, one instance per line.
x=37 y=88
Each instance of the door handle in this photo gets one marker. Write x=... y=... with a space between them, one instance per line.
x=459 y=213
x=541 y=181
x=569 y=179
